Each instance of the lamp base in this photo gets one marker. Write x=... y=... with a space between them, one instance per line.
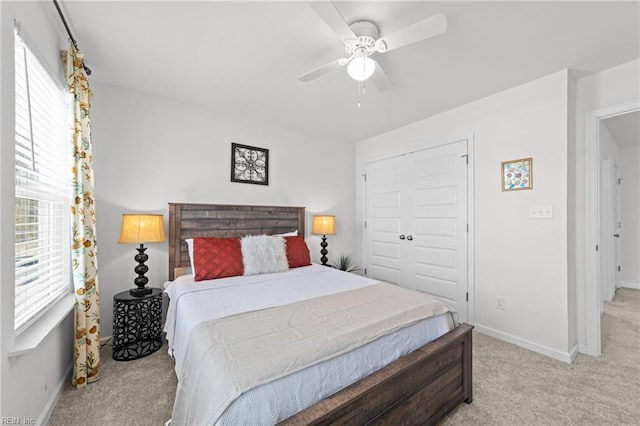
x=140 y=291
x=141 y=281
x=324 y=251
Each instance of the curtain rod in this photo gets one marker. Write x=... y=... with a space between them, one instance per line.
x=71 y=39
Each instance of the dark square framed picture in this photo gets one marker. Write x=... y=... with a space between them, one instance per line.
x=249 y=164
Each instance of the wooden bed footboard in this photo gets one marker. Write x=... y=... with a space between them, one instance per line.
x=419 y=388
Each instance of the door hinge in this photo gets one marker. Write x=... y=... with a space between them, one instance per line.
x=467 y=297
x=618 y=268
x=365 y=271
x=467 y=228
x=596 y=247
x=365 y=177
x=619 y=181
x=365 y=224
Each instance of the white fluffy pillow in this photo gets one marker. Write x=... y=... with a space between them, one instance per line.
x=262 y=254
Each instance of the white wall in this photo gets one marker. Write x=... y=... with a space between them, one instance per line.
x=630 y=216
x=30 y=382
x=611 y=87
x=522 y=259
x=150 y=151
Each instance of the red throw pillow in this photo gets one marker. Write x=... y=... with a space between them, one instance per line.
x=297 y=252
x=217 y=258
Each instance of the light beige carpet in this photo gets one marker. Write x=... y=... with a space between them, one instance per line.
x=512 y=386
x=138 y=392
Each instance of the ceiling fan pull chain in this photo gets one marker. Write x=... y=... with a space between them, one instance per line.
x=364 y=72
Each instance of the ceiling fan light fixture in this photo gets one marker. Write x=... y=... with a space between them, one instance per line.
x=361 y=68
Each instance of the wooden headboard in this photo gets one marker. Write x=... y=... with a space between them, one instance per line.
x=225 y=220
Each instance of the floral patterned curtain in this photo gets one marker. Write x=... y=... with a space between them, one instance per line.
x=86 y=366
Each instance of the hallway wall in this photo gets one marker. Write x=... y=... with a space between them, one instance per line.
x=630 y=216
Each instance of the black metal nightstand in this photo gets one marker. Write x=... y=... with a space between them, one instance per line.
x=137 y=325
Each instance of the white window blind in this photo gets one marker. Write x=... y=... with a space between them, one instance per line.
x=42 y=198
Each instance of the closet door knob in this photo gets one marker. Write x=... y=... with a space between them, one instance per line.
x=409 y=237
x=401 y=236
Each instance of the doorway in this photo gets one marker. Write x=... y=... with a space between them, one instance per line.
x=604 y=232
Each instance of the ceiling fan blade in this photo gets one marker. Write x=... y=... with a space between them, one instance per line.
x=380 y=79
x=332 y=17
x=318 y=72
x=430 y=27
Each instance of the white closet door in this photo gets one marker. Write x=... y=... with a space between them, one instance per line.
x=436 y=245
x=416 y=223
x=383 y=220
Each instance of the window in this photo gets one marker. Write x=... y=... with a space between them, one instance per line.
x=42 y=197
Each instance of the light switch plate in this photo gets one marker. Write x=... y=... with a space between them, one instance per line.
x=541 y=212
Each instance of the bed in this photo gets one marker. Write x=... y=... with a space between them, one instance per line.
x=389 y=382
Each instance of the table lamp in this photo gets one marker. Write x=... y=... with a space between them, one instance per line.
x=324 y=225
x=141 y=229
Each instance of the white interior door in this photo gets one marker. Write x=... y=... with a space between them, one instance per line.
x=416 y=223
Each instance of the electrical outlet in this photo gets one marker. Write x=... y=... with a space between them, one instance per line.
x=500 y=302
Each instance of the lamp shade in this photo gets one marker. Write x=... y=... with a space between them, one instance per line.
x=324 y=225
x=141 y=228
x=361 y=68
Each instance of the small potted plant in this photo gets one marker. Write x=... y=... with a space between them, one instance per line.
x=345 y=263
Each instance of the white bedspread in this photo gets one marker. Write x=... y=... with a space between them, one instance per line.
x=204 y=301
x=207 y=300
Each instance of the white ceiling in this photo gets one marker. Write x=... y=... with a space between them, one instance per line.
x=624 y=128
x=245 y=57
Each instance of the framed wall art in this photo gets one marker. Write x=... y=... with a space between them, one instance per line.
x=517 y=174
x=249 y=164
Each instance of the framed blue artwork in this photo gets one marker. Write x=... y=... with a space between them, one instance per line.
x=517 y=174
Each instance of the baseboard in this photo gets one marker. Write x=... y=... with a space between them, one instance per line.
x=630 y=285
x=55 y=397
x=582 y=348
x=573 y=353
x=567 y=357
x=104 y=340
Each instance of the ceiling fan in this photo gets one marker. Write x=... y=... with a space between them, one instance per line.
x=362 y=39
